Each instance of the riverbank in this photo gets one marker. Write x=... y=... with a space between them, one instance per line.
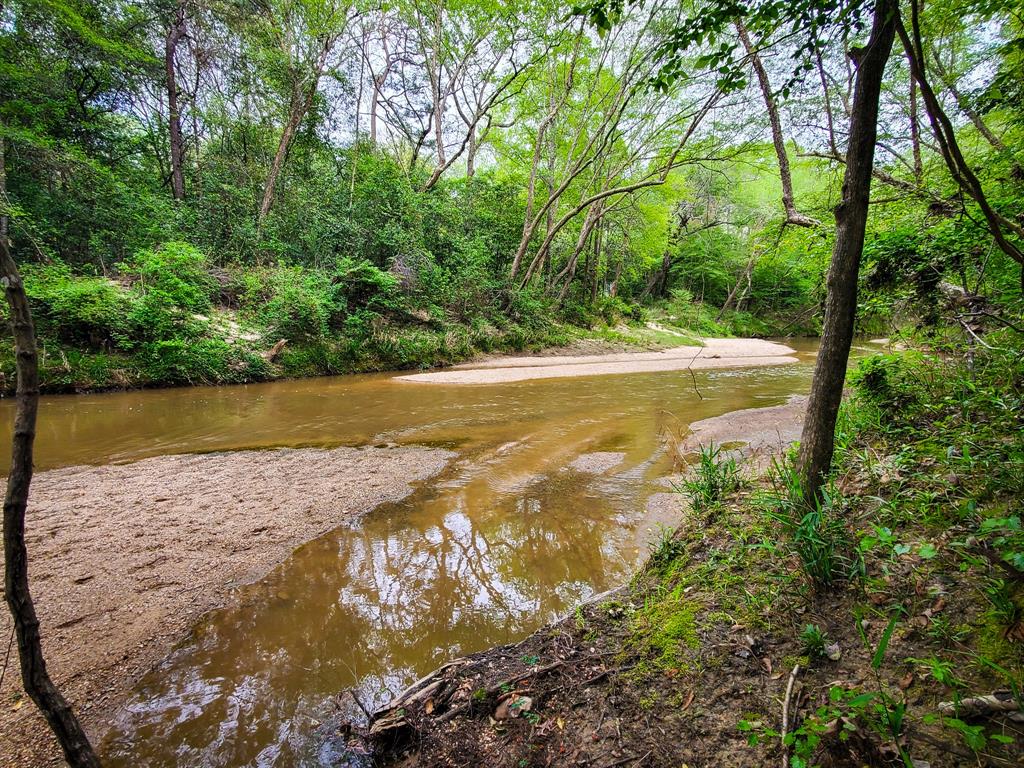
x=234 y=352
x=884 y=631
x=125 y=558
x=714 y=353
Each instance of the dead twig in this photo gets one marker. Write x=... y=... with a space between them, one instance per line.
x=631 y=759
x=785 y=714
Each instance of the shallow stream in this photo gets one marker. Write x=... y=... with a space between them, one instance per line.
x=508 y=537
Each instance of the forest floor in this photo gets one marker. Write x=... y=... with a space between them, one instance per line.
x=715 y=353
x=125 y=558
x=724 y=648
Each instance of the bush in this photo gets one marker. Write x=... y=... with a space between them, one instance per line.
x=202 y=361
x=886 y=382
x=291 y=302
x=176 y=273
x=85 y=311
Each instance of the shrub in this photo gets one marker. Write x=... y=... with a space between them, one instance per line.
x=177 y=273
x=85 y=311
x=886 y=381
x=202 y=361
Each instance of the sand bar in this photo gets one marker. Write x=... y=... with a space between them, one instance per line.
x=126 y=557
x=716 y=353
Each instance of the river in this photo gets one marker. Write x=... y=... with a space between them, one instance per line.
x=508 y=537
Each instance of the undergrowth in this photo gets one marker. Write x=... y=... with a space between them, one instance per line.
x=912 y=564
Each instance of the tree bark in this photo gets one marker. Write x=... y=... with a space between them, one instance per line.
x=743 y=278
x=38 y=685
x=175 y=31
x=793 y=216
x=915 y=133
x=817 y=440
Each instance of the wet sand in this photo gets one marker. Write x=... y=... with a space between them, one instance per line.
x=125 y=558
x=759 y=430
x=716 y=353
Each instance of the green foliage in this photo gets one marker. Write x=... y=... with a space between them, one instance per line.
x=714 y=478
x=813 y=640
x=815 y=531
x=83 y=311
x=174 y=275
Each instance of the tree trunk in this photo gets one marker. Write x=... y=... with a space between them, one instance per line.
x=278 y=163
x=817 y=440
x=915 y=133
x=175 y=32
x=592 y=218
x=949 y=147
x=743 y=278
x=72 y=739
x=793 y=216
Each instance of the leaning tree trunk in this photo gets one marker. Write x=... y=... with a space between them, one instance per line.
x=1000 y=227
x=793 y=216
x=55 y=708
x=817 y=441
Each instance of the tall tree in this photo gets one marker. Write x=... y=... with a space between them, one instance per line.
x=1004 y=231
x=793 y=216
x=175 y=32
x=299 y=37
x=817 y=440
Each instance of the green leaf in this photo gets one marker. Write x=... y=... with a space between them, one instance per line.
x=883 y=643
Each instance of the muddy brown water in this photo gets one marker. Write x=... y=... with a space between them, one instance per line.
x=503 y=541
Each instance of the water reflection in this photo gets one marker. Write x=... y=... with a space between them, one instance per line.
x=506 y=539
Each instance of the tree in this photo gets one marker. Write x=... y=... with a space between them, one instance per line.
x=175 y=31
x=793 y=216
x=77 y=750
x=298 y=38
x=1003 y=230
x=817 y=439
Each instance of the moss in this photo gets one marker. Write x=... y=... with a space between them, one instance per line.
x=649 y=700
x=992 y=644
x=665 y=627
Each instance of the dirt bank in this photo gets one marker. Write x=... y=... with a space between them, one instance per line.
x=716 y=353
x=125 y=558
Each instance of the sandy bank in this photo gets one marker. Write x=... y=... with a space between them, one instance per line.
x=125 y=558
x=717 y=353
x=753 y=431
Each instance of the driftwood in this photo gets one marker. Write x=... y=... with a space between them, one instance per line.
x=444 y=694
x=999 y=703
x=274 y=352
